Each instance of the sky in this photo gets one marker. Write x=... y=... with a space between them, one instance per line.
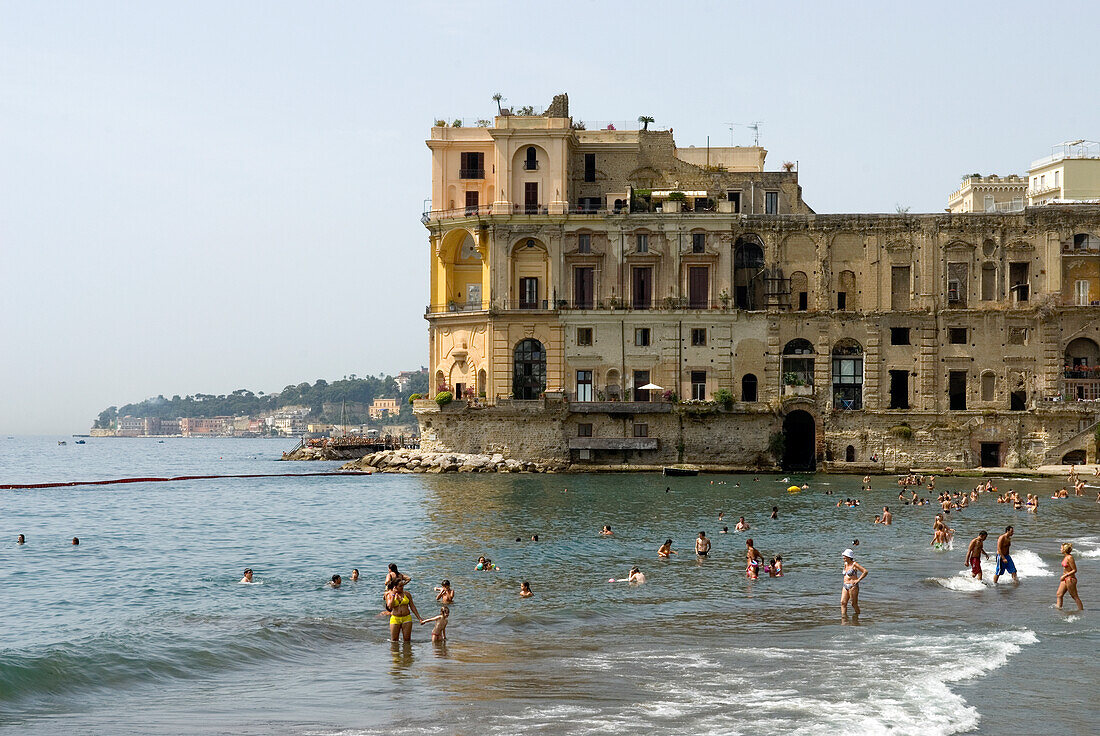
x=205 y=196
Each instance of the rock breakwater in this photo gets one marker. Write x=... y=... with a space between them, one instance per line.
x=417 y=461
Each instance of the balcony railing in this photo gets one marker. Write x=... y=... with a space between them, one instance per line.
x=455 y=307
x=471 y=173
x=529 y=209
x=529 y=165
x=1081 y=389
x=465 y=211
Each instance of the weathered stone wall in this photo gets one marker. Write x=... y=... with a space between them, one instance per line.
x=519 y=430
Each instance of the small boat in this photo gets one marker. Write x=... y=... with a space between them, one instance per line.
x=62 y=442
x=80 y=442
x=680 y=470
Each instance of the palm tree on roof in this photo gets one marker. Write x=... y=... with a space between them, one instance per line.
x=645 y=120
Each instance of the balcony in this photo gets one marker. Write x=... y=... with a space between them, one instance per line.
x=471 y=173
x=530 y=165
x=620 y=407
x=1081 y=389
x=447 y=214
x=791 y=390
x=455 y=307
x=529 y=209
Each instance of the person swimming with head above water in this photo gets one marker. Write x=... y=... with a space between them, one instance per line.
x=606 y=531
x=446 y=594
x=636 y=576
x=334 y=582
x=247 y=575
x=666 y=549
x=742 y=525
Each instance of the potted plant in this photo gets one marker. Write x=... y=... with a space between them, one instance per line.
x=724 y=297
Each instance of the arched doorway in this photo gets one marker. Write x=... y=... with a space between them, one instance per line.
x=748 y=387
x=799 y=441
x=529 y=370
x=748 y=273
x=850 y=454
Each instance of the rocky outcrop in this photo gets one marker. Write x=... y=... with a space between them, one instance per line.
x=416 y=461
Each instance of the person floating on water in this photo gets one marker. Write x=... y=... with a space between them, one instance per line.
x=853 y=575
x=1004 y=559
x=1068 y=582
x=974 y=551
x=439 y=631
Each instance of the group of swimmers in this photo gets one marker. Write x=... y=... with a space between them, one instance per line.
x=22 y=539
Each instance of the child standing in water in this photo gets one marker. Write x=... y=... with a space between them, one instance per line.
x=439 y=631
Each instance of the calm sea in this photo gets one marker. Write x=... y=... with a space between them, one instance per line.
x=143 y=628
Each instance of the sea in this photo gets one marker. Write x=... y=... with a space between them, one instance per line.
x=144 y=627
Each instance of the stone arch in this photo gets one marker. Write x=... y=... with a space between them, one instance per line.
x=462 y=270
x=440 y=380
x=522 y=175
x=800 y=291
x=460 y=378
x=748 y=272
x=850 y=454
x=799 y=249
x=1074 y=457
x=749 y=387
x=481 y=382
x=1082 y=352
x=799 y=441
x=846 y=247
x=847 y=295
x=612 y=383
x=798 y=363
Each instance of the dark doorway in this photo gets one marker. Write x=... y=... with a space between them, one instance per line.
x=748 y=387
x=799 y=441
x=991 y=454
x=584 y=291
x=899 y=390
x=956 y=390
x=698 y=287
x=1017 y=401
x=642 y=292
x=850 y=454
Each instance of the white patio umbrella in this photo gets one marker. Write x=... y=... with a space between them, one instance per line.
x=652 y=387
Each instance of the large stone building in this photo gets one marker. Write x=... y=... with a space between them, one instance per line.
x=604 y=296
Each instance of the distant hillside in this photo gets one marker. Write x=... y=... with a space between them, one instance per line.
x=324 y=399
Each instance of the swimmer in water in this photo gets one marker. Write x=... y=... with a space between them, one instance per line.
x=636 y=576
x=725 y=530
x=21 y=540
x=721 y=515
x=742 y=525
x=354 y=574
x=853 y=574
x=666 y=549
x=702 y=545
x=887 y=516
x=534 y=537
x=775 y=512
x=247 y=575
x=439 y=631
x=334 y=582
x=401 y=607
x=446 y=594
x=76 y=540
x=777 y=566
x=606 y=531
x=393 y=574
x=974 y=552
x=525 y=590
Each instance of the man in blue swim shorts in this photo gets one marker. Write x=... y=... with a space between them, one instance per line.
x=1004 y=560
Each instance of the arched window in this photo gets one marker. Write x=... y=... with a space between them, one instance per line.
x=798 y=363
x=529 y=370
x=748 y=274
x=748 y=387
x=989 y=385
x=846 y=293
x=847 y=375
x=850 y=454
x=800 y=291
x=531 y=162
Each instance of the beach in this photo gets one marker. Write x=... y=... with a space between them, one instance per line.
x=144 y=627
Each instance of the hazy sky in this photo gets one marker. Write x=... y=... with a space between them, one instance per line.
x=200 y=197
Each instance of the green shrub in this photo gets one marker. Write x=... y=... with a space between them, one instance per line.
x=443 y=398
x=777 y=445
x=902 y=431
x=724 y=397
x=677 y=197
x=414 y=397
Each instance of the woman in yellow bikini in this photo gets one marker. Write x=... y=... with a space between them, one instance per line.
x=400 y=605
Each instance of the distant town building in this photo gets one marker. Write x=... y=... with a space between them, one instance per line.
x=129 y=426
x=381 y=408
x=1070 y=175
x=989 y=194
x=404 y=378
x=205 y=426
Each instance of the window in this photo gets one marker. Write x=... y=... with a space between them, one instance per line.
x=1081 y=292
x=641 y=430
x=803 y=301
x=800 y=288
x=590 y=167
x=1057 y=179
x=531 y=163
x=584 y=336
x=899 y=389
x=698 y=242
x=771 y=203
x=957 y=289
x=698 y=287
x=584 y=287
x=531 y=197
x=584 y=430
x=846 y=294
x=698 y=336
x=842 y=300
x=528 y=370
x=641 y=337
x=989 y=282
x=699 y=385
x=899 y=336
x=899 y=287
x=642 y=291
x=735 y=197
x=471 y=202
x=1017 y=336
x=847 y=375
x=748 y=387
x=956 y=390
x=584 y=243
x=584 y=385
x=641 y=378
x=528 y=293
x=989 y=386
x=641 y=243
x=471 y=165
x=989 y=206
x=1018 y=277
x=1017 y=401
x=798 y=363
x=956 y=335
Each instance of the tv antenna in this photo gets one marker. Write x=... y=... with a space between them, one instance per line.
x=754 y=126
x=731 y=126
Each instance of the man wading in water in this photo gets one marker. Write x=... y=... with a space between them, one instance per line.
x=1004 y=560
x=974 y=554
